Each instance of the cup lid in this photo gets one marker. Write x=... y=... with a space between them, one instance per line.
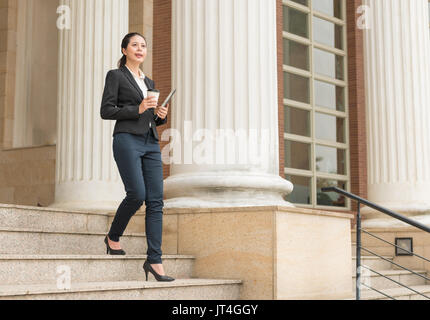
x=153 y=90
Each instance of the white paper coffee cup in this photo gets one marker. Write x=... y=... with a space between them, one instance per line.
x=154 y=93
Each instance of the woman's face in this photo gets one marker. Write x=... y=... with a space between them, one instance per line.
x=136 y=50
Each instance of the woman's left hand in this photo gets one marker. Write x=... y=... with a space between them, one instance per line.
x=162 y=112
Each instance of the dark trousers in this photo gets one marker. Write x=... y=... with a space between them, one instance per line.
x=139 y=164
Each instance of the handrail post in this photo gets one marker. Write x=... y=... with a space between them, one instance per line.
x=358 y=254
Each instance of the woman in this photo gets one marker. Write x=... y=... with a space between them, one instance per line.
x=136 y=150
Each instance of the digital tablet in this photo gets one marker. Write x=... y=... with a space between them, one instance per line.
x=168 y=98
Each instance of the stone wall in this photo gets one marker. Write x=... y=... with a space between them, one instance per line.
x=27 y=176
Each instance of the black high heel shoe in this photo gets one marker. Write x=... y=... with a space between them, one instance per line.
x=111 y=251
x=147 y=267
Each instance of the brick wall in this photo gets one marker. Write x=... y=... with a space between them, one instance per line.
x=357 y=103
x=161 y=66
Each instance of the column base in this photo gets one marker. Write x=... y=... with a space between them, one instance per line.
x=225 y=189
x=99 y=207
x=375 y=219
x=388 y=222
x=91 y=196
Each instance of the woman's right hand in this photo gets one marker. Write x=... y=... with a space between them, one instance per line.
x=147 y=103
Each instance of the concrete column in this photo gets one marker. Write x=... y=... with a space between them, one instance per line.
x=224 y=117
x=86 y=173
x=397 y=68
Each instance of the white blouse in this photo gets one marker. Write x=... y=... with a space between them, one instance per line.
x=140 y=81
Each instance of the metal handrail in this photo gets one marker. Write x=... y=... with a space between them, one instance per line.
x=379 y=208
x=395 y=245
x=358 y=235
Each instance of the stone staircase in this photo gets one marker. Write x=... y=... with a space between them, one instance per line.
x=41 y=247
x=384 y=285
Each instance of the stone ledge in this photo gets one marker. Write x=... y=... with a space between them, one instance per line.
x=393 y=272
x=29 y=230
x=168 y=211
x=51 y=209
x=396 y=293
x=13 y=290
x=390 y=230
x=86 y=257
x=259 y=208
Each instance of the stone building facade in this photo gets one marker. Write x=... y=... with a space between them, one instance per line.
x=337 y=93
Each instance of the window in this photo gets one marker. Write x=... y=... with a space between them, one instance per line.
x=315 y=101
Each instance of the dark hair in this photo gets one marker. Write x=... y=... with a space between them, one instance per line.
x=124 y=45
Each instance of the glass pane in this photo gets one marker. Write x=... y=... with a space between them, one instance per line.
x=330 y=96
x=328 y=64
x=296 y=87
x=327 y=33
x=302 y=190
x=297 y=155
x=295 y=22
x=330 y=7
x=297 y=121
x=302 y=2
x=329 y=127
x=296 y=54
x=330 y=160
x=330 y=198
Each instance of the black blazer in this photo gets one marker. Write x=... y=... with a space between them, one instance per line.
x=121 y=99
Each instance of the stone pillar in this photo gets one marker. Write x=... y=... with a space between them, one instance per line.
x=397 y=67
x=224 y=114
x=86 y=173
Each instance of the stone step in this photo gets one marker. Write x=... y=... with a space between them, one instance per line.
x=373 y=262
x=39 y=241
x=383 y=250
x=397 y=293
x=378 y=282
x=46 y=269
x=180 y=289
x=52 y=219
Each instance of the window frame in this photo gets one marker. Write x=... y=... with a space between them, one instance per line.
x=313 y=76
